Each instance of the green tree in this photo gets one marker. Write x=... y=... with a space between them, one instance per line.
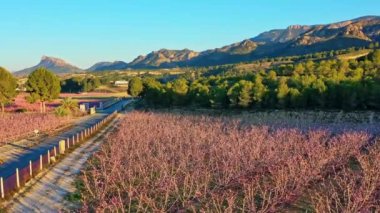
x=299 y=69
x=72 y=85
x=295 y=97
x=317 y=95
x=233 y=94
x=245 y=95
x=180 y=88
x=8 y=85
x=282 y=92
x=240 y=94
x=90 y=84
x=153 y=92
x=258 y=91
x=199 y=94
x=309 y=67
x=376 y=57
x=43 y=86
x=272 y=75
x=135 y=86
x=218 y=95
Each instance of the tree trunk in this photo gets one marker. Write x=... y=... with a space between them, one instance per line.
x=2 y=108
x=41 y=108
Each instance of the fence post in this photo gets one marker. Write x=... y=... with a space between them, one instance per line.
x=55 y=151
x=17 y=178
x=62 y=147
x=73 y=140
x=2 y=187
x=41 y=166
x=78 y=138
x=68 y=143
x=48 y=156
x=30 y=169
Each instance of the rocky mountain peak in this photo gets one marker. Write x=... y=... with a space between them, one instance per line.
x=49 y=61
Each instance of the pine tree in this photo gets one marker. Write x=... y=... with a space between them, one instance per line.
x=43 y=86
x=8 y=85
x=179 y=89
x=135 y=86
x=199 y=94
x=245 y=95
x=282 y=93
x=233 y=95
x=259 y=90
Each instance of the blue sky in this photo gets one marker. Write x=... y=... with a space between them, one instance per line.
x=84 y=32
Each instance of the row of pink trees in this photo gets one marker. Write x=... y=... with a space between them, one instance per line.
x=18 y=125
x=161 y=162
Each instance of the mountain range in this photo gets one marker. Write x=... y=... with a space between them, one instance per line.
x=294 y=40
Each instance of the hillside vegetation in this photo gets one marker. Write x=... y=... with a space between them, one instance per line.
x=324 y=84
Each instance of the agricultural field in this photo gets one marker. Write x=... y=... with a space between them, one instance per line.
x=179 y=161
x=354 y=55
x=15 y=126
x=22 y=118
x=20 y=104
x=175 y=107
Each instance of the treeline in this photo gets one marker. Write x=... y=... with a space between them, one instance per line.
x=42 y=85
x=80 y=84
x=327 y=84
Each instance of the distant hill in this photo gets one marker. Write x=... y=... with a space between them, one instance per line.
x=294 y=40
x=163 y=57
x=56 y=65
x=282 y=35
x=101 y=66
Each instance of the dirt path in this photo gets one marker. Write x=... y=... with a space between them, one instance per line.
x=47 y=194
